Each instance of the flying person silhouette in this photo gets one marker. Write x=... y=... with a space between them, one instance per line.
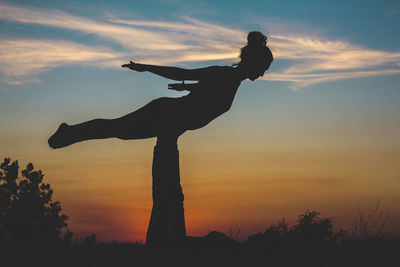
x=167 y=118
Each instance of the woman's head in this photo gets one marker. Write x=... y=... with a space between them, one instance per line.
x=255 y=57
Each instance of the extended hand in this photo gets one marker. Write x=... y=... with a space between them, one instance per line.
x=134 y=66
x=177 y=86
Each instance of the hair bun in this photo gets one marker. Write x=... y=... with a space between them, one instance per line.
x=256 y=39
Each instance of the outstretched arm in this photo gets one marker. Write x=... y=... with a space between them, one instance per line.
x=172 y=73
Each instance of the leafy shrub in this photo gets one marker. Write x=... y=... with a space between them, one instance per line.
x=26 y=207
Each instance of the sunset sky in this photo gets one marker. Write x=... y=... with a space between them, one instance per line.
x=320 y=131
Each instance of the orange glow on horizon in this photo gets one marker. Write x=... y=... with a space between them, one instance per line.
x=105 y=186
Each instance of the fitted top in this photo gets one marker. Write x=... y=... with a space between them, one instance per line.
x=213 y=95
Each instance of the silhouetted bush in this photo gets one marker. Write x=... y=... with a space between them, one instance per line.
x=28 y=214
x=310 y=230
x=90 y=240
x=68 y=237
x=369 y=226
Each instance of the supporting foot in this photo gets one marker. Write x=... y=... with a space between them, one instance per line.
x=60 y=138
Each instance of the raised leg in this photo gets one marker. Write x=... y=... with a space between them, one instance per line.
x=154 y=119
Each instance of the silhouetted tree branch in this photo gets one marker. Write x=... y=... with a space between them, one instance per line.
x=26 y=207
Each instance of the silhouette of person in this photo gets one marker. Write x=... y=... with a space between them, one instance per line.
x=167 y=118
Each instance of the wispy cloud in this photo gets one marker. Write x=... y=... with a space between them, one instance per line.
x=315 y=60
x=22 y=60
x=311 y=59
x=132 y=38
x=300 y=80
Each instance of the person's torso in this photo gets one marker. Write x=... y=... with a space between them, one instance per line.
x=214 y=94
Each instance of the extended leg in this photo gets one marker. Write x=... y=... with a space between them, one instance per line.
x=146 y=122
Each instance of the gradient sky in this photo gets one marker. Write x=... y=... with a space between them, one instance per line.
x=321 y=130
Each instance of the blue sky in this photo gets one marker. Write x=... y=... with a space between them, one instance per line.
x=334 y=84
x=365 y=27
x=58 y=51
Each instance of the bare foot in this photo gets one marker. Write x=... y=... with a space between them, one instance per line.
x=61 y=137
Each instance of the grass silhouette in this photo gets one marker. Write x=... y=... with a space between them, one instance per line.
x=309 y=242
